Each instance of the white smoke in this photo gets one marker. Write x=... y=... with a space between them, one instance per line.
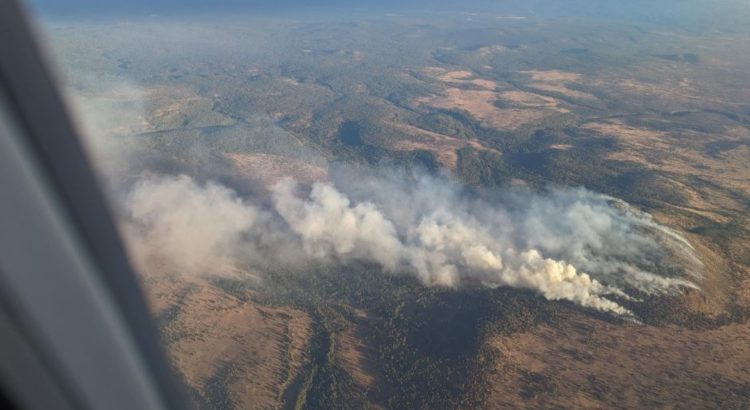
x=185 y=227
x=565 y=244
x=331 y=226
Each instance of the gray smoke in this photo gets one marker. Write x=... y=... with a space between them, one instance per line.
x=565 y=244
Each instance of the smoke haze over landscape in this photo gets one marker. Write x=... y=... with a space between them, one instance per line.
x=563 y=243
x=428 y=204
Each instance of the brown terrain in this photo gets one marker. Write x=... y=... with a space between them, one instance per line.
x=480 y=101
x=442 y=146
x=237 y=353
x=583 y=362
x=259 y=353
x=358 y=356
x=558 y=82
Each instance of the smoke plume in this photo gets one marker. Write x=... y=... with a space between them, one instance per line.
x=565 y=244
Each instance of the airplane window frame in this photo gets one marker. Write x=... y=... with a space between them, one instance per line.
x=64 y=175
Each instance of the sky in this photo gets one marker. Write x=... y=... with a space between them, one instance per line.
x=683 y=12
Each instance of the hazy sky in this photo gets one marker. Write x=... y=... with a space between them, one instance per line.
x=217 y=5
x=684 y=12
